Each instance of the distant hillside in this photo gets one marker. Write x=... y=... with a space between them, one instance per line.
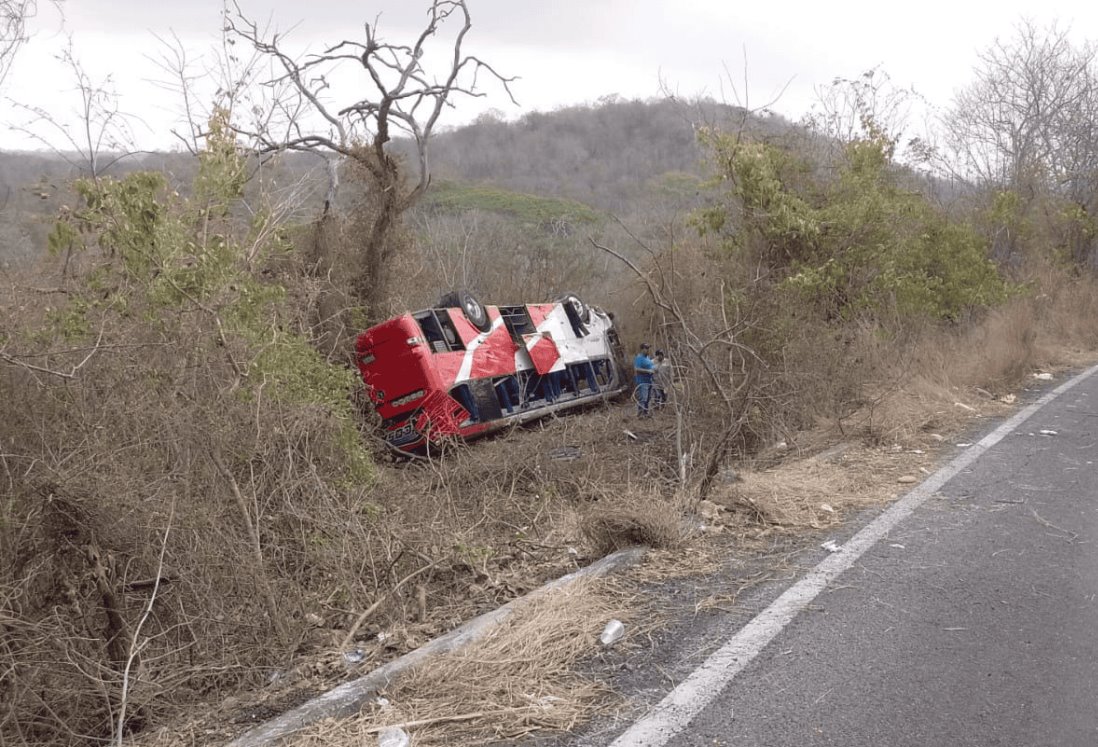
x=607 y=156
x=578 y=164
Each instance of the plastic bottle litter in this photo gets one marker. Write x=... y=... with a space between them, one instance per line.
x=393 y=737
x=354 y=657
x=612 y=633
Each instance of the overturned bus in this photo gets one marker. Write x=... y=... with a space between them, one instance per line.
x=463 y=369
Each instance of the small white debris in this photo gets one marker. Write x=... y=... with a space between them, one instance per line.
x=1008 y=399
x=781 y=445
x=831 y=546
x=354 y=657
x=827 y=507
x=573 y=551
x=917 y=451
x=1043 y=376
x=393 y=737
x=631 y=434
x=937 y=437
x=963 y=406
x=612 y=633
x=382 y=637
x=963 y=445
x=1047 y=432
x=907 y=480
x=546 y=701
x=898 y=546
x=381 y=702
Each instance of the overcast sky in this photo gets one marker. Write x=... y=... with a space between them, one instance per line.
x=563 y=51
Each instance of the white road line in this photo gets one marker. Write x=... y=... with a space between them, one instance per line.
x=671 y=715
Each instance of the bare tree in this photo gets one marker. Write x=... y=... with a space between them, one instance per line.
x=727 y=371
x=1016 y=124
x=13 y=30
x=100 y=134
x=869 y=107
x=399 y=96
x=1027 y=125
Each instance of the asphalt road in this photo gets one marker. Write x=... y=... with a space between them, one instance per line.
x=973 y=620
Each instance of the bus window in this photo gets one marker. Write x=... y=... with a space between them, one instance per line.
x=507 y=392
x=575 y=321
x=480 y=398
x=464 y=395
x=517 y=320
x=438 y=330
x=584 y=372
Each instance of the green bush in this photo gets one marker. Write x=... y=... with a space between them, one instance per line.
x=853 y=245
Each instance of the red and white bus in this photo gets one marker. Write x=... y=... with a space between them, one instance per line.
x=464 y=369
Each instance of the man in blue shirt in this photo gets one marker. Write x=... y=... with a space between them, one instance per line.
x=643 y=370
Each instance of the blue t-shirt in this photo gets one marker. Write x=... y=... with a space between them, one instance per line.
x=643 y=368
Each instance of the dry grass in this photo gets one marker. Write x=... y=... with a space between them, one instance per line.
x=521 y=679
x=642 y=517
x=818 y=492
x=113 y=460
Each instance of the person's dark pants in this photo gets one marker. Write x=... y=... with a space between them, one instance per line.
x=644 y=394
x=659 y=396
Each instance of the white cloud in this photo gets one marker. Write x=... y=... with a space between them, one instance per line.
x=571 y=51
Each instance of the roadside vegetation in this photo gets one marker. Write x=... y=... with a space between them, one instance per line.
x=196 y=515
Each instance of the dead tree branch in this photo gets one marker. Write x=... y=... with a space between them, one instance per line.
x=401 y=96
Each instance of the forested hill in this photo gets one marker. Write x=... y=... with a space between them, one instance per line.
x=622 y=156
x=607 y=156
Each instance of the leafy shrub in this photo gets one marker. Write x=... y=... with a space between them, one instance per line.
x=855 y=245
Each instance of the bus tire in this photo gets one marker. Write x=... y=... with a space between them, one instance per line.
x=582 y=311
x=472 y=308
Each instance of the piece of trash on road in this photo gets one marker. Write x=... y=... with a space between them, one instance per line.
x=963 y=445
x=907 y=479
x=1043 y=376
x=898 y=546
x=1047 y=432
x=831 y=546
x=393 y=737
x=612 y=633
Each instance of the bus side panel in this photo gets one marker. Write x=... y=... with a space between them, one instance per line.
x=543 y=352
x=486 y=354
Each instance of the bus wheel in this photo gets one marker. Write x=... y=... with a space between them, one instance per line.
x=474 y=310
x=580 y=307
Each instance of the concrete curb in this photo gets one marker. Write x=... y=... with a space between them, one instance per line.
x=348 y=699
